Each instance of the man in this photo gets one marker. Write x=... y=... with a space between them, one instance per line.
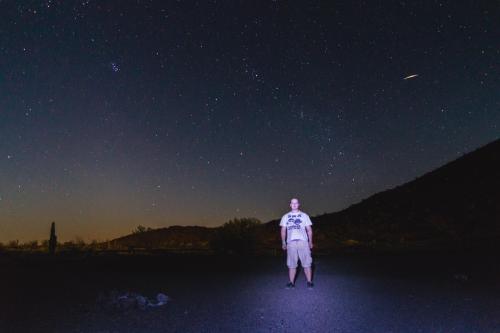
x=297 y=241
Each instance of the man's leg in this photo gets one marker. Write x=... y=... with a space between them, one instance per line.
x=292 y=259
x=306 y=260
x=291 y=274
x=308 y=273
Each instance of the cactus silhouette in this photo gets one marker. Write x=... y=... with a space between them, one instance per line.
x=53 y=239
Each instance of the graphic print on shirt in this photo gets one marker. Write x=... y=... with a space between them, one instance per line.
x=294 y=222
x=295 y=227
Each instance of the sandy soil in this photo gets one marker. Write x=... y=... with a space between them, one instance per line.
x=353 y=293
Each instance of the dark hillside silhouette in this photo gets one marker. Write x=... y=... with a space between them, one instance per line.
x=457 y=204
x=174 y=237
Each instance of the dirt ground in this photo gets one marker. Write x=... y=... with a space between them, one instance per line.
x=353 y=293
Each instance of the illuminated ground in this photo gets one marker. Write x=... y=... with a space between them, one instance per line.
x=353 y=293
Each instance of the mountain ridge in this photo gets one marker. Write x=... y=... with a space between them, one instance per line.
x=456 y=202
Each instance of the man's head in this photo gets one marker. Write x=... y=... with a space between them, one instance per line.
x=294 y=204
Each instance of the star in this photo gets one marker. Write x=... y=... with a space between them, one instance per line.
x=114 y=67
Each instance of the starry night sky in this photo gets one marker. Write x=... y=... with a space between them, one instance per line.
x=120 y=113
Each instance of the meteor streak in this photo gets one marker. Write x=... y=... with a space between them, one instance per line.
x=410 y=76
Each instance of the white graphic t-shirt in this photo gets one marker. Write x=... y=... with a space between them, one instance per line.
x=295 y=224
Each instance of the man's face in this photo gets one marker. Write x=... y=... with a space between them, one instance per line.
x=294 y=204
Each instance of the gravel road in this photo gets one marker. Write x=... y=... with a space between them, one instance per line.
x=353 y=293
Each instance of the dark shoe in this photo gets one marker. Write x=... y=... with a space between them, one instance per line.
x=290 y=285
x=310 y=285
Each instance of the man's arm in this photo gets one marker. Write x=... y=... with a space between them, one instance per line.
x=283 y=238
x=310 y=235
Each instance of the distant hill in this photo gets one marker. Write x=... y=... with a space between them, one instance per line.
x=456 y=204
x=174 y=237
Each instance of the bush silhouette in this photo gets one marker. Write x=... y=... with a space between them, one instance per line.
x=237 y=236
x=13 y=244
x=140 y=229
x=31 y=245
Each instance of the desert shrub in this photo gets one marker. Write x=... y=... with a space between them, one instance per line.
x=79 y=242
x=75 y=245
x=68 y=245
x=93 y=245
x=44 y=245
x=237 y=236
x=140 y=229
x=13 y=244
x=31 y=245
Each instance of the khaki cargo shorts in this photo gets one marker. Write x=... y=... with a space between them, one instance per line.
x=298 y=249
